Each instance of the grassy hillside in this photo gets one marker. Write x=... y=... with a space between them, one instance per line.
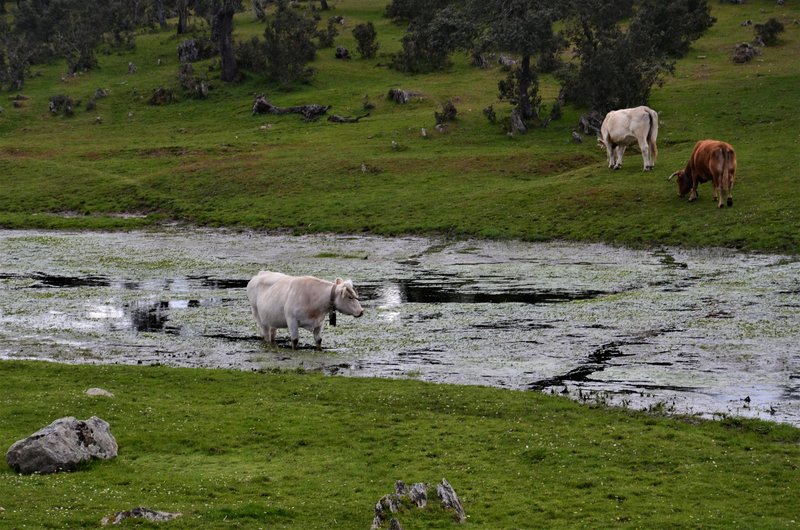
x=232 y=449
x=211 y=162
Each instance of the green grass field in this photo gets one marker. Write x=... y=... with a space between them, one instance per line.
x=233 y=449
x=287 y=450
x=213 y=163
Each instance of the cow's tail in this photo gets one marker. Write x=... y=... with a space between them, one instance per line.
x=652 y=135
x=727 y=167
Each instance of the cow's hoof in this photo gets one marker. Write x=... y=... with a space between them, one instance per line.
x=730 y=201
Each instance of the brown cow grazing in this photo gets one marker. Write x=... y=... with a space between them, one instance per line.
x=711 y=160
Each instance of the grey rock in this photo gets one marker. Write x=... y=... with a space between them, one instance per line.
x=99 y=392
x=63 y=446
x=140 y=513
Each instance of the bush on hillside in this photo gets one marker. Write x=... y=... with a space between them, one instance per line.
x=63 y=104
x=366 y=36
x=193 y=86
x=411 y=9
x=288 y=47
x=196 y=49
x=427 y=44
x=327 y=36
x=768 y=33
x=250 y=54
x=448 y=113
x=670 y=27
x=509 y=90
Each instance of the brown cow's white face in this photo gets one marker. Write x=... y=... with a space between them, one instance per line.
x=347 y=299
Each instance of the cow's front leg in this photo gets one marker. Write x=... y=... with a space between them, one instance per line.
x=294 y=332
x=318 y=337
x=693 y=194
x=272 y=334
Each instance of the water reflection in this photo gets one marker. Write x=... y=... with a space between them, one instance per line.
x=149 y=317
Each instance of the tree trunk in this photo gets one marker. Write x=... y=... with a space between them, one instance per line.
x=223 y=31
x=160 y=14
x=183 y=16
x=323 y=5
x=258 y=9
x=525 y=108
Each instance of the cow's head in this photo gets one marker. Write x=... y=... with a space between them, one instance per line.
x=684 y=182
x=347 y=298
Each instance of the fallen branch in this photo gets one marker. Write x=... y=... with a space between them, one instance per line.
x=346 y=119
x=310 y=112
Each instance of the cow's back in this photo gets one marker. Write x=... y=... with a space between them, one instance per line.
x=258 y=285
x=307 y=297
x=271 y=302
x=712 y=158
x=625 y=126
x=262 y=281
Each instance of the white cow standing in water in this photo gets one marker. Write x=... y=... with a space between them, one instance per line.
x=282 y=301
x=625 y=127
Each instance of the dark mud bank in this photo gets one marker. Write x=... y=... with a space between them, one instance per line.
x=708 y=332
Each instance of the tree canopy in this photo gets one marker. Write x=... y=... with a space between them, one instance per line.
x=621 y=49
x=605 y=54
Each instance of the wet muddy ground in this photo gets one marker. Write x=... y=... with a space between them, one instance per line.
x=706 y=332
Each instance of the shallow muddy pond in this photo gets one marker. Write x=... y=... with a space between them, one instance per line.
x=707 y=332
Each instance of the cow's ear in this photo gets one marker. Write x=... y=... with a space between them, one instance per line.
x=338 y=281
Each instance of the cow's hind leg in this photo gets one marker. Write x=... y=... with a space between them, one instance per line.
x=619 y=150
x=611 y=150
x=652 y=152
x=730 y=192
x=725 y=194
x=718 y=192
x=645 y=148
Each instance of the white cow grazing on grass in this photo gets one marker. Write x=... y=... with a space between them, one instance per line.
x=294 y=302
x=625 y=127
